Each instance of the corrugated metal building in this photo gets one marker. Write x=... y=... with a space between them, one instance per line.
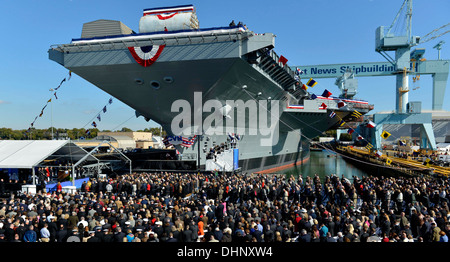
x=103 y=27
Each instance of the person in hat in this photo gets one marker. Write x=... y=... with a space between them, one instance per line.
x=92 y=237
x=119 y=235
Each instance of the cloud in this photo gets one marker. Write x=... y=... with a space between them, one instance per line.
x=4 y=102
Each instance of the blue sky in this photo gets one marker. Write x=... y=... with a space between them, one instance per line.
x=308 y=33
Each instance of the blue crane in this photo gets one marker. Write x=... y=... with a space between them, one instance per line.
x=404 y=63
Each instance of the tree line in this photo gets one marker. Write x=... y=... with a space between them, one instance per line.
x=63 y=133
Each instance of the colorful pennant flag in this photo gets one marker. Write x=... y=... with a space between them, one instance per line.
x=311 y=82
x=371 y=124
x=369 y=146
x=360 y=137
x=99 y=117
x=304 y=87
x=110 y=101
x=326 y=93
x=283 y=60
x=313 y=96
x=332 y=114
x=94 y=124
x=341 y=104
x=350 y=131
x=385 y=134
x=378 y=153
x=88 y=132
x=356 y=114
x=388 y=161
x=298 y=71
x=55 y=95
x=166 y=141
x=104 y=109
x=341 y=123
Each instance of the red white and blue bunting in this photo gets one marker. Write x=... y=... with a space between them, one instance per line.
x=179 y=140
x=166 y=16
x=146 y=55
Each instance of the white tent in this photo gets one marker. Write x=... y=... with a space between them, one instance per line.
x=30 y=153
x=443 y=147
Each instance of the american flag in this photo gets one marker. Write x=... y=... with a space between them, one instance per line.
x=188 y=142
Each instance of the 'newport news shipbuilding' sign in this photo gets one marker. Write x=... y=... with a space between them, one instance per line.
x=335 y=70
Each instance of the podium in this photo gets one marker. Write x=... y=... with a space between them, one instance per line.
x=29 y=189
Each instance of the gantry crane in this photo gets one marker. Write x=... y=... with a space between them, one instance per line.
x=404 y=63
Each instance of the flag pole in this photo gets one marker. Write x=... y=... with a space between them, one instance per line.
x=51 y=114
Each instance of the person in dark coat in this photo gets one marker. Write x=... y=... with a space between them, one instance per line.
x=92 y=237
x=257 y=234
x=9 y=233
x=61 y=234
x=269 y=235
x=304 y=237
x=187 y=234
x=119 y=235
x=52 y=228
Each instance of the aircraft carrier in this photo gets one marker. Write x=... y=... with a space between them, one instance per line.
x=172 y=62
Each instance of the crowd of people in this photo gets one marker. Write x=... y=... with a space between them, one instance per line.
x=211 y=207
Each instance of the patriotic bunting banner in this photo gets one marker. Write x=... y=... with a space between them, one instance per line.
x=146 y=55
x=188 y=142
x=166 y=16
x=179 y=140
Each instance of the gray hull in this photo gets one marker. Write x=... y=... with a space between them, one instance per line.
x=218 y=69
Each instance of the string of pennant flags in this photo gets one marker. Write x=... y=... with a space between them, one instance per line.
x=98 y=116
x=384 y=135
x=92 y=122
x=326 y=93
x=67 y=78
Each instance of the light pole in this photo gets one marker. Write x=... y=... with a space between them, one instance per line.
x=51 y=115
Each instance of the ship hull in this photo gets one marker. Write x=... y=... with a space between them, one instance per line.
x=215 y=71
